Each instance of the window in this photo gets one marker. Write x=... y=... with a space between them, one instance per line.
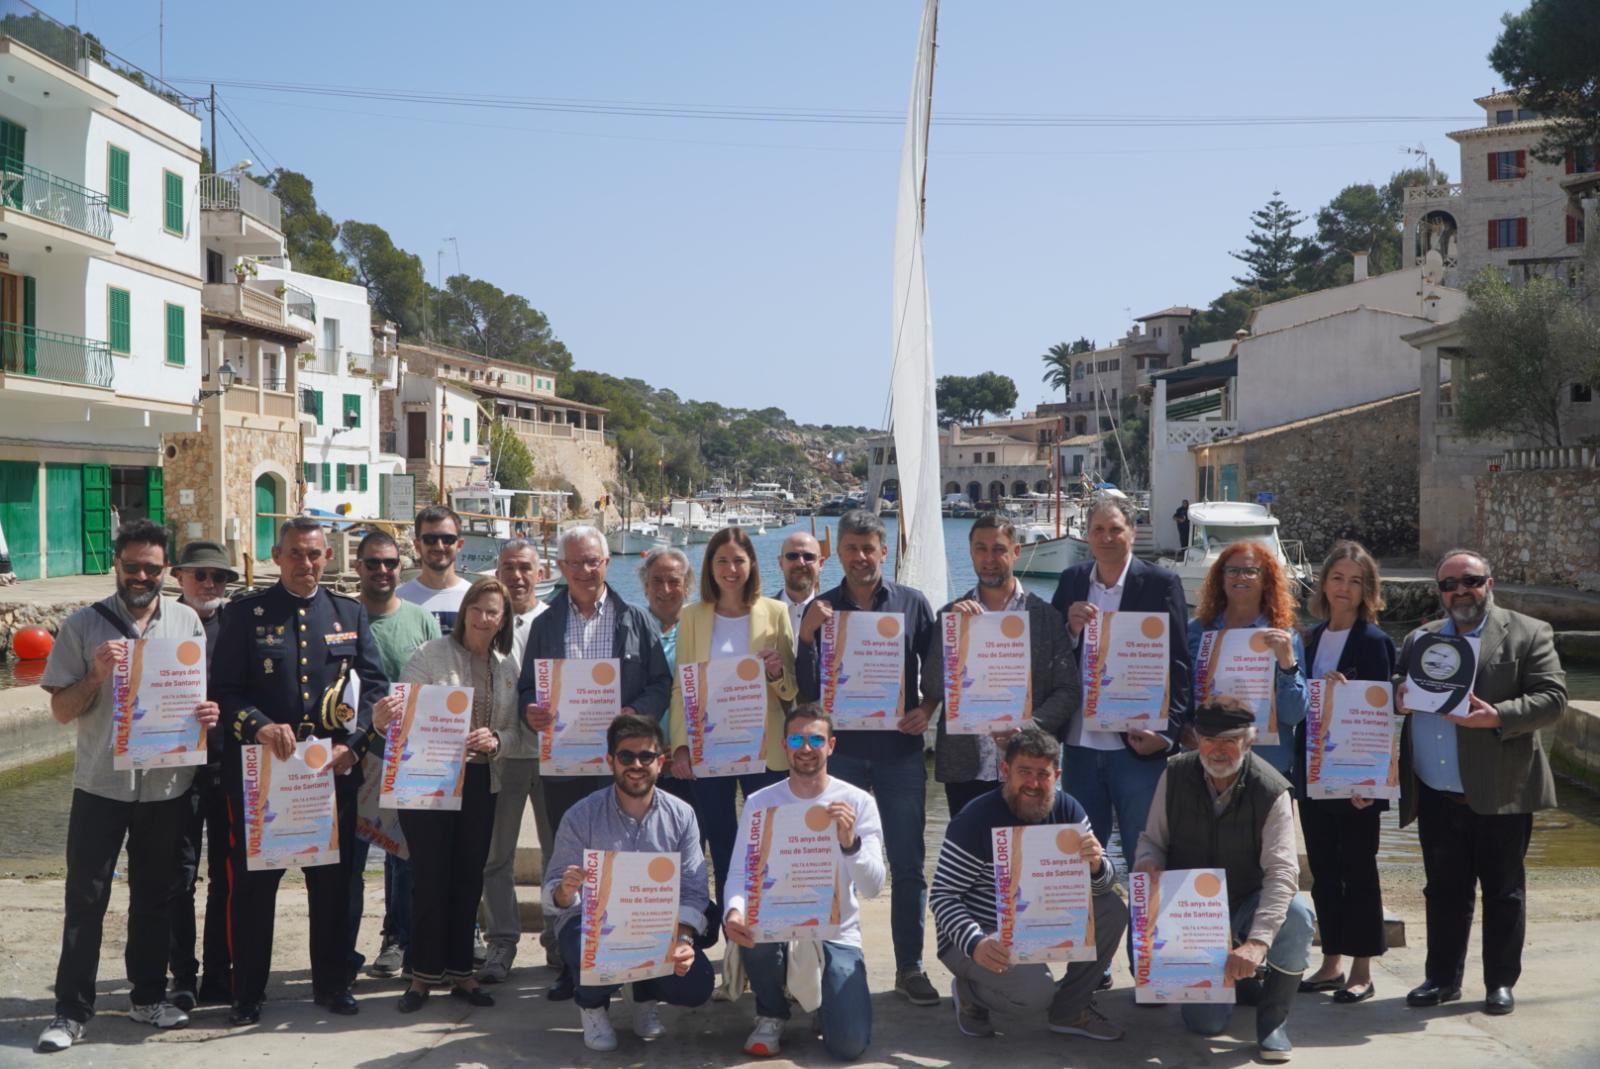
x=991 y=458
x=172 y=191
x=352 y=410
x=449 y=427
x=343 y=473
x=175 y=335
x=1585 y=159
x=117 y=179
x=119 y=315
x=1504 y=166
x=330 y=335
x=1574 y=230
x=363 y=481
x=892 y=458
x=1582 y=393
x=311 y=473
x=877 y=455
x=466 y=430
x=1527 y=113
x=1077 y=371
x=311 y=403
x=1180 y=332
x=1504 y=115
x=1508 y=233
x=327 y=477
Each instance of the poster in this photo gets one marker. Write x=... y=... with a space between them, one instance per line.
x=863 y=670
x=1236 y=662
x=1126 y=671
x=1352 y=745
x=629 y=915
x=584 y=696
x=988 y=677
x=794 y=883
x=374 y=824
x=1043 y=903
x=1439 y=673
x=425 y=748
x=156 y=683
x=1181 y=936
x=290 y=821
x=725 y=712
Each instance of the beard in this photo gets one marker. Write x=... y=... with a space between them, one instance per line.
x=210 y=606
x=138 y=596
x=1028 y=810
x=1470 y=615
x=1222 y=765
x=629 y=786
x=994 y=582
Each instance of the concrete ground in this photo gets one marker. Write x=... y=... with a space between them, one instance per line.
x=1556 y=1024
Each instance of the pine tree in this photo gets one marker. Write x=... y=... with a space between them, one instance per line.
x=1274 y=250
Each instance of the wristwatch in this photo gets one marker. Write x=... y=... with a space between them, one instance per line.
x=685 y=937
x=852 y=849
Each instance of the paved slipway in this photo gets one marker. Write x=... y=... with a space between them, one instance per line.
x=1556 y=1025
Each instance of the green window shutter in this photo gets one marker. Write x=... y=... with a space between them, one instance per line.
x=155 y=493
x=327 y=478
x=466 y=431
x=97 y=531
x=30 y=341
x=311 y=473
x=318 y=411
x=173 y=217
x=120 y=314
x=117 y=179
x=340 y=470
x=175 y=335
x=13 y=149
x=352 y=410
x=363 y=478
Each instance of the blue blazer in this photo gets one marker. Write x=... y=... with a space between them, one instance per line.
x=1146 y=589
x=1368 y=654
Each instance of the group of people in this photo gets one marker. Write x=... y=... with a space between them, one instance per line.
x=294 y=661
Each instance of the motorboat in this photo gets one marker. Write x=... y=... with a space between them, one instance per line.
x=1215 y=525
x=638 y=536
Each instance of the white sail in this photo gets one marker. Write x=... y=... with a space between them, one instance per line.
x=914 y=412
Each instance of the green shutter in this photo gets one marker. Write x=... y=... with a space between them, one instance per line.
x=13 y=150
x=317 y=407
x=173 y=218
x=97 y=531
x=155 y=494
x=117 y=178
x=19 y=514
x=363 y=478
x=339 y=471
x=466 y=430
x=352 y=410
x=175 y=335
x=311 y=473
x=327 y=478
x=63 y=520
x=30 y=341
x=120 y=314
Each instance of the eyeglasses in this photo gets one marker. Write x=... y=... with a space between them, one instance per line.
x=387 y=564
x=1242 y=571
x=792 y=557
x=585 y=565
x=800 y=742
x=1471 y=582
x=210 y=575
x=440 y=539
x=626 y=758
x=148 y=570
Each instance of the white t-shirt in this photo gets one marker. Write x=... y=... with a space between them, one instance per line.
x=443 y=604
x=864 y=868
x=1330 y=647
x=1106 y=599
x=729 y=638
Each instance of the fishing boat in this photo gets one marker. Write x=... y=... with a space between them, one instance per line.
x=638 y=536
x=1215 y=525
x=488 y=524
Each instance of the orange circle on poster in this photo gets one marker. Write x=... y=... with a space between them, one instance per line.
x=1378 y=697
x=661 y=869
x=749 y=670
x=188 y=653
x=1068 y=841
x=1011 y=627
x=603 y=674
x=888 y=627
x=1258 y=642
x=1207 y=885
x=818 y=818
x=316 y=756
x=457 y=702
x=1154 y=627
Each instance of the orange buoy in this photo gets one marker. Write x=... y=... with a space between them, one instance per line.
x=32 y=643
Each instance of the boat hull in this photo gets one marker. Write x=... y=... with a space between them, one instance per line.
x=1051 y=556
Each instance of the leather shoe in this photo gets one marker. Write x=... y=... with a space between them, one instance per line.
x=1333 y=983
x=1432 y=994
x=340 y=1002
x=563 y=989
x=477 y=996
x=1346 y=997
x=412 y=1000
x=244 y=1013
x=1499 y=1002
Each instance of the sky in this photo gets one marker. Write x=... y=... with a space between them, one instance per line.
x=747 y=261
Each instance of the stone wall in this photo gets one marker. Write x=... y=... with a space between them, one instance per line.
x=1541 y=526
x=189 y=466
x=590 y=467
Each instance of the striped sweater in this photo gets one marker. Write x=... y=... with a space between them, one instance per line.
x=962 y=896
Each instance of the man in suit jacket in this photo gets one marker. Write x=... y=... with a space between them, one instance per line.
x=1105 y=770
x=1473 y=782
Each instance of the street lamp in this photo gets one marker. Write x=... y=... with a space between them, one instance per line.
x=225 y=376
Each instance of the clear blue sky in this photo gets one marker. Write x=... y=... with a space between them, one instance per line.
x=748 y=262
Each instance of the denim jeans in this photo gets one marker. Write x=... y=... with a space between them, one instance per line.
x=898 y=782
x=693 y=988
x=397 y=891
x=846 y=1010
x=1107 y=780
x=1290 y=953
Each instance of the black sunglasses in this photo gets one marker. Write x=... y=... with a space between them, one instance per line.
x=136 y=568
x=1471 y=582
x=793 y=556
x=210 y=575
x=629 y=757
x=438 y=539
x=387 y=564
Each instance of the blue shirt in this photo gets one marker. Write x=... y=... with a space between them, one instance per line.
x=1434 y=756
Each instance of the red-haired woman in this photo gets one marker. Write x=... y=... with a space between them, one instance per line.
x=1247 y=587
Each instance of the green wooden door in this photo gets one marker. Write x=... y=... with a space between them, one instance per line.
x=13 y=152
x=97 y=531
x=63 y=520
x=19 y=515
x=30 y=341
x=266 y=526
x=155 y=495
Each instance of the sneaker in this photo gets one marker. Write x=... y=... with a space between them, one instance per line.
x=916 y=987
x=62 y=1033
x=597 y=1031
x=183 y=998
x=480 y=949
x=647 y=1021
x=159 y=1015
x=1091 y=1024
x=972 y=1019
x=388 y=962
x=497 y=966
x=766 y=1038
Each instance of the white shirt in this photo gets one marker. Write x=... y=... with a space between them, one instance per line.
x=1106 y=599
x=443 y=604
x=797 y=612
x=1330 y=647
x=521 y=625
x=729 y=637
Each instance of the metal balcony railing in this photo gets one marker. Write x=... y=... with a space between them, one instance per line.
x=39 y=193
x=232 y=192
x=300 y=303
x=73 y=48
x=44 y=354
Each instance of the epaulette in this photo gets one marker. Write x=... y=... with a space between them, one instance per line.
x=253 y=592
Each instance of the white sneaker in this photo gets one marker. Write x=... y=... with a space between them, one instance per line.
x=497 y=966
x=597 y=1031
x=766 y=1038
x=159 y=1014
x=61 y=1033
x=647 y=1021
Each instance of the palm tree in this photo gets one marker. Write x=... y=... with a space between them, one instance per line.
x=1058 y=368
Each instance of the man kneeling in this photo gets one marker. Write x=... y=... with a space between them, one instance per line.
x=632 y=815
x=963 y=902
x=1223 y=807
x=845 y=1013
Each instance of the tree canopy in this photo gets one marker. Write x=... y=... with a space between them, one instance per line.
x=968 y=398
x=393 y=277
x=308 y=231
x=1548 y=57
x=1274 y=249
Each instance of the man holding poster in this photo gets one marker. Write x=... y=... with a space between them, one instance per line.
x=978 y=928
x=1223 y=807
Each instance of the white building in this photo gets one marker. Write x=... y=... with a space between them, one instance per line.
x=99 y=295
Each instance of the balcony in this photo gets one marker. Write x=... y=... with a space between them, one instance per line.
x=44 y=354
x=236 y=193
x=1437 y=195
x=323 y=361
x=378 y=367
x=533 y=428
x=41 y=195
x=1184 y=433
x=300 y=303
x=244 y=300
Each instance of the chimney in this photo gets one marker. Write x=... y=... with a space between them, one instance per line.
x=1360 y=268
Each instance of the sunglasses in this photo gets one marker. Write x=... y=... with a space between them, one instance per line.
x=1471 y=582
x=210 y=575
x=792 y=557
x=437 y=539
x=626 y=758
x=387 y=564
x=800 y=742
x=148 y=570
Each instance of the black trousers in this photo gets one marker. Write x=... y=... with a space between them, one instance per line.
x=561 y=793
x=1461 y=849
x=1342 y=848
x=448 y=852
x=957 y=795
x=205 y=820
x=253 y=898
x=96 y=828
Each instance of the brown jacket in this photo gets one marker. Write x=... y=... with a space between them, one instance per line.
x=1504 y=769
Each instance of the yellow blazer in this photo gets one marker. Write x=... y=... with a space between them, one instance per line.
x=769 y=630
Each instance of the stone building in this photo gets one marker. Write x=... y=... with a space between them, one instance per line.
x=1102 y=379
x=1003 y=458
x=1538 y=516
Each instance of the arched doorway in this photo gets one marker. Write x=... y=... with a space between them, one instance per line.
x=890 y=491
x=997 y=490
x=974 y=492
x=1019 y=489
x=269 y=499
x=952 y=488
x=1042 y=486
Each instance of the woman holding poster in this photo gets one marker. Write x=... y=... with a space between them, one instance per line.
x=1341 y=835
x=450 y=846
x=1247 y=591
x=731 y=620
